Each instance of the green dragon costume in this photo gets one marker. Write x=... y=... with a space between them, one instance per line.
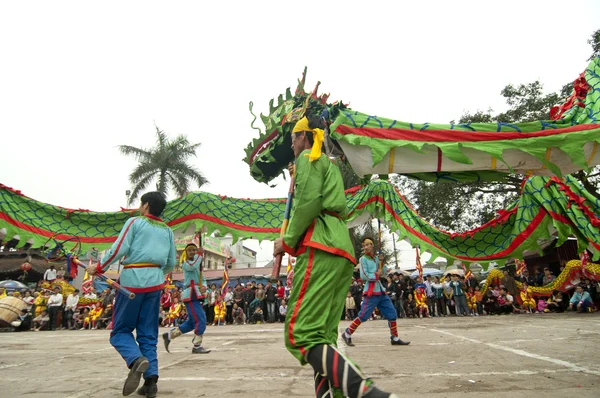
x=320 y=239
x=434 y=152
x=547 y=205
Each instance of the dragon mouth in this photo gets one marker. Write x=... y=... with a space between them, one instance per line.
x=263 y=146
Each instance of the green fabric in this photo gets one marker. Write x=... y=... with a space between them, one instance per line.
x=269 y=154
x=544 y=200
x=570 y=143
x=318 y=189
x=321 y=282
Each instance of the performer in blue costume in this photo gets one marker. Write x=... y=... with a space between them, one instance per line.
x=148 y=246
x=374 y=296
x=191 y=263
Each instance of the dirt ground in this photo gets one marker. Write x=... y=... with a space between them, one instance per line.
x=537 y=355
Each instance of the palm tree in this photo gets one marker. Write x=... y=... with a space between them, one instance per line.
x=167 y=163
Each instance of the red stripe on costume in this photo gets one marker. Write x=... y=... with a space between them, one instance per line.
x=289 y=250
x=49 y=234
x=439 y=163
x=333 y=250
x=118 y=247
x=145 y=289
x=311 y=257
x=515 y=243
x=354 y=325
x=371 y=283
x=365 y=304
x=196 y=322
x=336 y=382
x=221 y=222
x=320 y=384
x=394 y=328
x=454 y=135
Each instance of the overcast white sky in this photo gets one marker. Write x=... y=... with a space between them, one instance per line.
x=79 y=78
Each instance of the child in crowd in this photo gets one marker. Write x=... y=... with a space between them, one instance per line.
x=282 y=311
x=490 y=303
x=258 y=316
x=410 y=306
x=555 y=302
x=529 y=304
x=41 y=322
x=220 y=312
x=238 y=315
x=350 y=307
x=421 y=302
x=479 y=300
x=472 y=301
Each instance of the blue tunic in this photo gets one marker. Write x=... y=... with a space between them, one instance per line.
x=148 y=246
x=191 y=277
x=368 y=267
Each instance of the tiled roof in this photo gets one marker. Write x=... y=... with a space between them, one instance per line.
x=11 y=262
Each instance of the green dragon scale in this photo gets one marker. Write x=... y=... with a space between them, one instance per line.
x=434 y=152
x=547 y=204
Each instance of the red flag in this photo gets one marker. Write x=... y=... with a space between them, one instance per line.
x=468 y=274
x=520 y=266
x=419 y=266
x=225 y=277
x=169 y=279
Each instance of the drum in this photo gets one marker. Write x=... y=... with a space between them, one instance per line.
x=10 y=309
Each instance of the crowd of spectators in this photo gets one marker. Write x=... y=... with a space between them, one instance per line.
x=454 y=295
x=255 y=302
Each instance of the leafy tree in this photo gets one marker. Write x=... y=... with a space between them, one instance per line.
x=348 y=175
x=370 y=230
x=457 y=207
x=166 y=163
x=594 y=41
x=527 y=102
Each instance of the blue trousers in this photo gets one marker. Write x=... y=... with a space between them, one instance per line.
x=140 y=314
x=196 y=320
x=381 y=301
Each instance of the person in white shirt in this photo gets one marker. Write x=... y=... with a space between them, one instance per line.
x=54 y=306
x=70 y=308
x=229 y=305
x=41 y=321
x=28 y=299
x=50 y=274
x=283 y=310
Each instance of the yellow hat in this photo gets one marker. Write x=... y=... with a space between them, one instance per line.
x=318 y=137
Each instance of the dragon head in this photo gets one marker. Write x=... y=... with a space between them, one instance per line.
x=269 y=154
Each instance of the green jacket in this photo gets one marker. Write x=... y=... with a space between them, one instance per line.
x=319 y=210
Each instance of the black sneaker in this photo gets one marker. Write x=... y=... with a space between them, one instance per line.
x=135 y=374
x=200 y=350
x=347 y=340
x=167 y=341
x=398 y=342
x=149 y=389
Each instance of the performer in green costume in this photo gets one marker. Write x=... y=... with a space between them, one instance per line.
x=319 y=238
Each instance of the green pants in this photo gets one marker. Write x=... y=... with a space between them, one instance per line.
x=321 y=283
